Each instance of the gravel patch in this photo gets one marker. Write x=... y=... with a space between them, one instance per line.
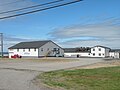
x=19 y=74
x=110 y=63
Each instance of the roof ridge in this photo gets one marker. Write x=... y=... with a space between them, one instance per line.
x=30 y=44
x=35 y=41
x=100 y=46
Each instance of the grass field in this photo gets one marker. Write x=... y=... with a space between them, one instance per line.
x=83 y=79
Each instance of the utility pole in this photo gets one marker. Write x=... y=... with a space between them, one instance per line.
x=1 y=44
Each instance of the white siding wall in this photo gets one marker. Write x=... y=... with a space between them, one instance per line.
x=107 y=51
x=99 y=52
x=117 y=55
x=48 y=47
x=81 y=54
x=95 y=52
x=114 y=54
x=23 y=52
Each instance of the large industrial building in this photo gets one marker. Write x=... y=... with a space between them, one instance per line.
x=36 y=49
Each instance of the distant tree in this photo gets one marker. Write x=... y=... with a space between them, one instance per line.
x=82 y=49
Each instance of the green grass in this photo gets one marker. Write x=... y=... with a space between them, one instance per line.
x=84 y=79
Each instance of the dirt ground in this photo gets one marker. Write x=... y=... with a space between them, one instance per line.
x=110 y=63
x=17 y=74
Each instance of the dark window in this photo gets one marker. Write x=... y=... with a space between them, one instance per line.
x=93 y=54
x=23 y=50
x=17 y=50
x=29 y=49
x=99 y=49
x=34 y=49
x=41 y=49
x=99 y=54
x=103 y=54
x=93 y=49
x=78 y=55
x=58 y=52
x=54 y=49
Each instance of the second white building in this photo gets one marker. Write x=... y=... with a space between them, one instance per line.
x=96 y=51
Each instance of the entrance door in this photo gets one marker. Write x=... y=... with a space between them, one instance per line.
x=119 y=54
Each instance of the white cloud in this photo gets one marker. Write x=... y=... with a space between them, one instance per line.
x=90 y=43
x=12 y=40
x=106 y=33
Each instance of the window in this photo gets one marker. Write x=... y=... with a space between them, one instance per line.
x=54 y=49
x=93 y=49
x=17 y=50
x=99 y=49
x=41 y=49
x=29 y=50
x=93 y=54
x=58 y=52
x=34 y=49
x=23 y=50
x=103 y=54
x=99 y=54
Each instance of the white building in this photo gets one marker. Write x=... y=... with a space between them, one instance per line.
x=96 y=51
x=36 y=49
x=115 y=53
x=73 y=52
x=99 y=51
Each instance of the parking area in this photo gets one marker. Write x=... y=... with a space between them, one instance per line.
x=17 y=74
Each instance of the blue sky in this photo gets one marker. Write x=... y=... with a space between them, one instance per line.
x=87 y=23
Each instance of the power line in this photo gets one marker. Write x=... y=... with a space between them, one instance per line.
x=11 y=2
x=31 y=6
x=43 y=9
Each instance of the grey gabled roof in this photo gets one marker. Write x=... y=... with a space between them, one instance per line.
x=67 y=50
x=75 y=50
x=33 y=44
x=100 y=46
x=115 y=50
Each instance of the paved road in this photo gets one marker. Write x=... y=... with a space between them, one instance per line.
x=17 y=75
